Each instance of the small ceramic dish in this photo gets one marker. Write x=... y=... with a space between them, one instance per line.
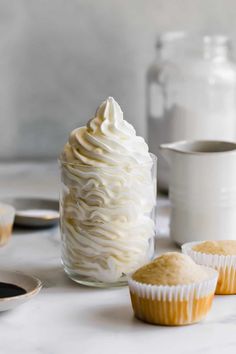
x=35 y=212
x=29 y=284
x=7 y=214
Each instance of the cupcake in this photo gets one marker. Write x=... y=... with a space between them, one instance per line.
x=172 y=290
x=7 y=214
x=220 y=255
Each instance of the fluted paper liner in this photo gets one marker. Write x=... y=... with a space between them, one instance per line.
x=7 y=214
x=173 y=305
x=225 y=265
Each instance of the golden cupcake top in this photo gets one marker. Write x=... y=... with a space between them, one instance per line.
x=171 y=268
x=223 y=247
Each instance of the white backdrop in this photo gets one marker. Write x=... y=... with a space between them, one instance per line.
x=60 y=58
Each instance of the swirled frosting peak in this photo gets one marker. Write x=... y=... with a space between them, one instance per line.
x=106 y=140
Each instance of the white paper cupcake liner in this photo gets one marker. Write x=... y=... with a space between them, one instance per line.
x=225 y=265
x=7 y=214
x=173 y=296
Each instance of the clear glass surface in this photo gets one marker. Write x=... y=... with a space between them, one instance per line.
x=107 y=219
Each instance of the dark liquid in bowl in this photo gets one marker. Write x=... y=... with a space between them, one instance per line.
x=10 y=290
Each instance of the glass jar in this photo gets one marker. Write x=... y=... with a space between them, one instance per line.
x=191 y=92
x=107 y=219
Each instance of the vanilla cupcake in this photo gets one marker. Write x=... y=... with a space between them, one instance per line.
x=172 y=290
x=7 y=214
x=220 y=255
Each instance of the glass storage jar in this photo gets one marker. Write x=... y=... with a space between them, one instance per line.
x=191 y=92
x=107 y=219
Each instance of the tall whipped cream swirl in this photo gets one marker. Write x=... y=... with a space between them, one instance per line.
x=108 y=197
x=107 y=140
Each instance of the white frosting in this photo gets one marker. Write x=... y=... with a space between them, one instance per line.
x=108 y=198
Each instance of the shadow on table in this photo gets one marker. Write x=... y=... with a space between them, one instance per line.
x=118 y=317
x=111 y=317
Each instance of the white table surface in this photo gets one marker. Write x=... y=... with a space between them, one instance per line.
x=66 y=318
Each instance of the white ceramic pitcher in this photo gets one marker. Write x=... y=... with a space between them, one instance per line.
x=202 y=190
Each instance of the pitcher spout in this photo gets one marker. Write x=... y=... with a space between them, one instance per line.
x=167 y=150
